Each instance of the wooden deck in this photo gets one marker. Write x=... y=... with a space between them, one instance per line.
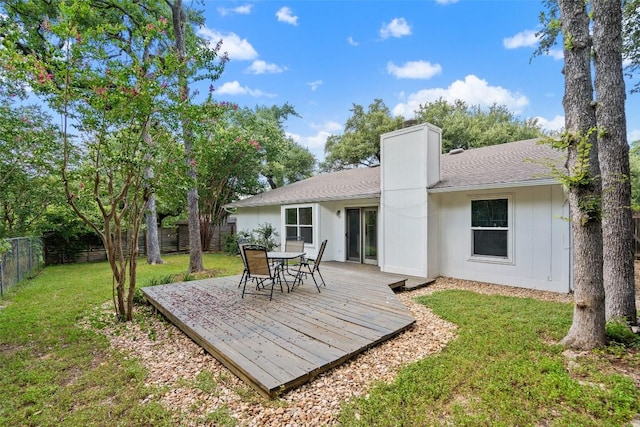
x=278 y=345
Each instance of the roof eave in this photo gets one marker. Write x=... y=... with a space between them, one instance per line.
x=494 y=186
x=375 y=195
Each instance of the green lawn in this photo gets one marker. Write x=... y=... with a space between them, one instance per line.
x=502 y=369
x=54 y=372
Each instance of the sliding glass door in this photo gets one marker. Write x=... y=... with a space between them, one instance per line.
x=362 y=235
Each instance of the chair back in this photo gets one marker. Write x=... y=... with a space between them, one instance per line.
x=240 y=246
x=295 y=244
x=320 y=253
x=257 y=261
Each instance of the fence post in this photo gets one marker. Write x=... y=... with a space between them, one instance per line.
x=2 y=275
x=18 y=258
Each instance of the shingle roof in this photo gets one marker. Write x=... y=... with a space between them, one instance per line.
x=514 y=162
x=358 y=183
x=510 y=163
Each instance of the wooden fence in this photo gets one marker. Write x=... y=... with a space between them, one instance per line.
x=89 y=247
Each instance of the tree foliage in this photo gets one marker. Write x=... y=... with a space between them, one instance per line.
x=283 y=160
x=631 y=38
x=359 y=145
x=634 y=162
x=30 y=152
x=465 y=126
x=104 y=65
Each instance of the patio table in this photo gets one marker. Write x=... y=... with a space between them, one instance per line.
x=284 y=258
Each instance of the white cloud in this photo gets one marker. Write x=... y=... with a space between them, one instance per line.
x=398 y=27
x=240 y=10
x=285 y=15
x=528 y=38
x=634 y=135
x=352 y=42
x=414 y=70
x=525 y=38
x=234 y=88
x=555 y=124
x=261 y=67
x=237 y=48
x=315 y=84
x=316 y=142
x=556 y=54
x=446 y=1
x=473 y=91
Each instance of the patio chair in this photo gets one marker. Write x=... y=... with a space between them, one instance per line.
x=294 y=244
x=241 y=243
x=260 y=271
x=311 y=267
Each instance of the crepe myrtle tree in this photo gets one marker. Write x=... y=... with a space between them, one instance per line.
x=107 y=97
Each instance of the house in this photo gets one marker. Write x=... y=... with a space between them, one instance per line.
x=490 y=214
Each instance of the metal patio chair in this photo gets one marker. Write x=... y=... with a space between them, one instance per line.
x=260 y=271
x=241 y=243
x=311 y=267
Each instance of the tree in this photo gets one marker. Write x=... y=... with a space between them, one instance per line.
x=462 y=127
x=471 y=127
x=227 y=161
x=283 y=160
x=582 y=181
x=618 y=274
x=30 y=149
x=196 y=61
x=360 y=143
x=108 y=96
x=613 y=154
x=634 y=166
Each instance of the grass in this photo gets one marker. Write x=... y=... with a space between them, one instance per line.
x=55 y=372
x=502 y=370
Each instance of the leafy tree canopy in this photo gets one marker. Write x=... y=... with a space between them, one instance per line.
x=360 y=143
x=466 y=126
x=283 y=160
x=462 y=126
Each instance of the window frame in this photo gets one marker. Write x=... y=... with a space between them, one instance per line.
x=495 y=259
x=298 y=225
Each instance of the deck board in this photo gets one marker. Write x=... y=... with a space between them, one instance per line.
x=278 y=345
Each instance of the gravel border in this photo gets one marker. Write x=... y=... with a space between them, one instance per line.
x=176 y=363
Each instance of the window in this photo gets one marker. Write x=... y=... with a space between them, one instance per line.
x=299 y=222
x=490 y=228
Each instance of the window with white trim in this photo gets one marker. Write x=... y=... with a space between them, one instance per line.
x=299 y=222
x=490 y=228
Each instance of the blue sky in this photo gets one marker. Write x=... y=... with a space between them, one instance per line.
x=322 y=56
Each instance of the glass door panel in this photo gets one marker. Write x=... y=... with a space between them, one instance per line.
x=353 y=234
x=370 y=221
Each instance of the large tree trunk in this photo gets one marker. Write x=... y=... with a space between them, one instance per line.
x=195 y=247
x=153 y=242
x=613 y=153
x=587 y=330
x=151 y=218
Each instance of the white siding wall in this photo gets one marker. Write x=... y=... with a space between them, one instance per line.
x=540 y=239
x=328 y=224
x=248 y=219
x=410 y=160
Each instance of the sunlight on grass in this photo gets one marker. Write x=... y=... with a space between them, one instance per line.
x=501 y=370
x=54 y=371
